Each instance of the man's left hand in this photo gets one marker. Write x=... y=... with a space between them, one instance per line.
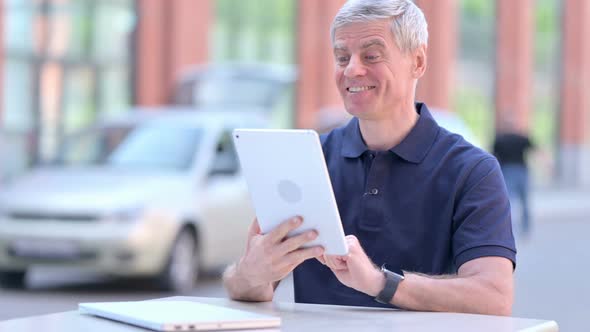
x=356 y=269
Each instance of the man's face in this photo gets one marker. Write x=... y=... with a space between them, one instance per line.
x=372 y=74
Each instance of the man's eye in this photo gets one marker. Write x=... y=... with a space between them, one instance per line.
x=372 y=57
x=342 y=59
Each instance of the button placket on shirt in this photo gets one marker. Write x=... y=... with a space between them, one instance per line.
x=372 y=216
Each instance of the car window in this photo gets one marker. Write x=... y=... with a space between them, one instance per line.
x=225 y=161
x=236 y=92
x=157 y=147
x=93 y=146
x=146 y=147
x=248 y=86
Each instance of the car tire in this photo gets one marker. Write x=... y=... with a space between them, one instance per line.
x=181 y=271
x=13 y=279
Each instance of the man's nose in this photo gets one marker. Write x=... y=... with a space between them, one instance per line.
x=355 y=67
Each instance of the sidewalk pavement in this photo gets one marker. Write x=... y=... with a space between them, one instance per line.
x=559 y=204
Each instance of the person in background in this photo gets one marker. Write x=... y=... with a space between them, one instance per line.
x=510 y=148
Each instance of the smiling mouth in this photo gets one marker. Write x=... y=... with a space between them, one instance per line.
x=357 y=89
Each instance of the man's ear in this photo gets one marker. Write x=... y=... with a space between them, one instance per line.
x=420 y=61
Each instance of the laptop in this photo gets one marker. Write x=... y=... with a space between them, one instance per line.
x=179 y=315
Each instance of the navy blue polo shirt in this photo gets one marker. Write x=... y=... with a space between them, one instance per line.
x=428 y=205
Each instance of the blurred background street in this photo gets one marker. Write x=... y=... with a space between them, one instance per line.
x=118 y=176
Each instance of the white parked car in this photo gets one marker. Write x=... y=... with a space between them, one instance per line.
x=151 y=193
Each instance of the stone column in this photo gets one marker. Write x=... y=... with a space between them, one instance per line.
x=574 y=124
x=315 y=88
x=436 y=86
x=171 y=35
x=514 y=64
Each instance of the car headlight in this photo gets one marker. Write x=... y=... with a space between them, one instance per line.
x=125 y=215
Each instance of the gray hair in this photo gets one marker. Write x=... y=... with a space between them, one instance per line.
x=408 y=24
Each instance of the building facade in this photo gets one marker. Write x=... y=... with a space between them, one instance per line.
x=66 y=61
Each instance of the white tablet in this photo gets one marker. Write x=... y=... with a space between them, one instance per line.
x=287 y=176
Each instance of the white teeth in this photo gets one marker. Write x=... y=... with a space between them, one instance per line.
x=360 y=88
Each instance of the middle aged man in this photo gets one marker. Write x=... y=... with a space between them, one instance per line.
x=413 y=197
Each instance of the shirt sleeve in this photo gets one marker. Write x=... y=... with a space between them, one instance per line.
x=481 y=223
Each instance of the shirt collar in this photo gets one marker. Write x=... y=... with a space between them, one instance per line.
x=413 y=148
x=353 y=145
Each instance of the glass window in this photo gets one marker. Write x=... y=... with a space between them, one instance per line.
x=79 y=109
x=18 y=34
x=17 y=99
x=256 y=30
x=546 y=87
x=261 y=31
x=115 y=94
x=111 y=40
x=473 y=97
x=87 y=43
x=546 y=81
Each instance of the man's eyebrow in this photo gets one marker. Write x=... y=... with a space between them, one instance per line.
x=373 y=42
x=340 y=47
x=367 y=44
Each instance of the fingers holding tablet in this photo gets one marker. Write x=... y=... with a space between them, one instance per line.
x=298 y=256
x=336 y=262
x=297 y=241
x=293 y=246
x=270 y=257
x=280 y=232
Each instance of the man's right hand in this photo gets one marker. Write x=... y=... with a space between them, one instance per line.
x=271 y=257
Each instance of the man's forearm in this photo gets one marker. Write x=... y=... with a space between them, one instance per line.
x=239 y=288
x=472 y=294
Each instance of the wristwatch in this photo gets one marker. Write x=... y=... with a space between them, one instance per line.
x=392 y=280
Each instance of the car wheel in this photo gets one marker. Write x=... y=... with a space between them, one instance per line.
x=13 y=279
x=180 y=274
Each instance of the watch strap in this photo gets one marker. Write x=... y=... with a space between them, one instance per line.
x=392 y=281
